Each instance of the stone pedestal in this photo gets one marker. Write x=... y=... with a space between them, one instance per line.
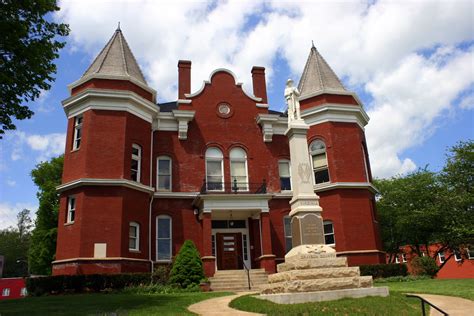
x=316 y=271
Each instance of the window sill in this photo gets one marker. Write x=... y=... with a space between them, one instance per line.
x=134 y=250
x=163 y=261
x=68 y=223
x=74 y=150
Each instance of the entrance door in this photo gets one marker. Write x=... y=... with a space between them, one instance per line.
x=229 y=251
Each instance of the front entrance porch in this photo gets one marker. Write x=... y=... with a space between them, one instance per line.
x=236 y=232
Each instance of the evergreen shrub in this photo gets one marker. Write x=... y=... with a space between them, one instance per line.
x=187 y=270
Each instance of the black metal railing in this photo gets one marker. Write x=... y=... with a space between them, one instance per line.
x=423 y=301
x=234 y=187
x=246 y=268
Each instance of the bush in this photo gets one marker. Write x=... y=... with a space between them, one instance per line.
x=161 y=274
x=424 y=266
x=159 y=289
x=187 y=268
x=84 y=283
x=408 y=278
x=384 y=270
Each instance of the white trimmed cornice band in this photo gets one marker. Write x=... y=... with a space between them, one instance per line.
x=335 y=113
x=345 y=185
x=99 y=259
x=359 y=252
x=105 y=182
x=334 y=92
x=111 y=100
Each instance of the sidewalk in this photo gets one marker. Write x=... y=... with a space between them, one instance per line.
x=219 y=306
x=450 y=304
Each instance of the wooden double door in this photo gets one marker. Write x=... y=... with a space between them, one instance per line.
x=229 y=251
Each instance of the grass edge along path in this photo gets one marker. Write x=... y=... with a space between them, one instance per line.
x=105 y=304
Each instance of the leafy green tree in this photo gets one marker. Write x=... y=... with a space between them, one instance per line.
x=47 y=176
x=187 y=268
x=14 y=243
x=28 y=45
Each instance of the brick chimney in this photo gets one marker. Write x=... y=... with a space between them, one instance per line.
x=259 y=83
x=184 y=78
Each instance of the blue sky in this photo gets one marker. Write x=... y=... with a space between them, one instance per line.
x=411 y=63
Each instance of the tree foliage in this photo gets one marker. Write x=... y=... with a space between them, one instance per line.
x=28 y=45
x=187 y=268
x=425 y=207
x=14 y=244
x=47 y=176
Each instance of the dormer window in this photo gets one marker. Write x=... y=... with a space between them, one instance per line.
x=76 y=143
x=136 y=162
x=317 y=150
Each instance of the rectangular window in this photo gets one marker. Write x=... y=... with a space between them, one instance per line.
x=404 y=257
x=136 y=162
x=163 y=243
x=164 y=174
x=213 y=243
x=6 y=292
x=287 y=232
x=285 y=178
x=441 y=257
x=470 y=253
x=457 y=256
x=320 y=165
x=77 y=132
x=134 y=237
x=23 y=291
x=329 y=233
x=238 y=174
x=244 y=238
x=215 y=177
x=397 y=259
x=71 y=209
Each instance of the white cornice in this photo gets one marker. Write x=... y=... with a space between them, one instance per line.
x=183 y=101
x=345 y=185
x=330 y=112
x=99 y=259
x=110 y=100
x=183 y=117
x=112 y=77
x=176 y=195
x=192 y=95
x=167 y=122
x=105 y=182
x=272 y=124
x=334 y=92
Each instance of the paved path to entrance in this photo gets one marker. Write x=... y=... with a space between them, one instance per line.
x=220 y=306
x=450 y=304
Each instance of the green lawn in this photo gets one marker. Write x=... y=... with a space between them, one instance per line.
x=395 y=304
x=105 y=304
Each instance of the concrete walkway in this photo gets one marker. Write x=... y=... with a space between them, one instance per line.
x=452 y=305
x=220 y=306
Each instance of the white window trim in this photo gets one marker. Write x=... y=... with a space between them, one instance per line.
x=441 y=256
x=289 y=171
x=222 y=168
x=318 y=152
x=404 y=257
x=137 y=237
x=139 y=159
x=457 y=256
x=285 y=233
x=397 y=259
x=6 y=292
x=23 y=291
x=171 y=238
x=469 y=254
x=158 y=172
x=70 y=210
x=244 y=160
x=77 y=126
x=333 y=233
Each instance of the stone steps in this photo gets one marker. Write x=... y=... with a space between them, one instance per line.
x=313 y=285
x=236 y=280
x=315 y=273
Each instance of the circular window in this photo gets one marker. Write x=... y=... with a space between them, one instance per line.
x=224 y=110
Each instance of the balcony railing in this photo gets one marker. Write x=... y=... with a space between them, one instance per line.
x=234 y=187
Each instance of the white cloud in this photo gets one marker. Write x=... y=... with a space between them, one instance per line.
x=10 y=182
x=378 y=45
x=44 y=146
x=9 y=211
x=467 y=102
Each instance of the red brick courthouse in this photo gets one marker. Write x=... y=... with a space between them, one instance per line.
x=140 y=177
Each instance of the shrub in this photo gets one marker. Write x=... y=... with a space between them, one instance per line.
x=424 y=266
x=408 y=278
x=159 y=289
x=161 y=274
x=84 y=283
x=187 y=268
x=384 y=270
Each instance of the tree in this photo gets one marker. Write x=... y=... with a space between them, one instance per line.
x=187 y=268
x=28 y=45
x=14 y=243
x=47 y=176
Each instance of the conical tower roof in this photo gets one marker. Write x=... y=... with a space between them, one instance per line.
x=116 y=60
x=318 y=77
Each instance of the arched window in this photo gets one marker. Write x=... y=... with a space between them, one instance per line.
x=163 y=238
x=238 y=169
x=134 y=236
x=317 y=150
x=163 y=173
x=287 y=232
x=329 y=233
x=136 y=162
x=285 y=175
x=214 y=169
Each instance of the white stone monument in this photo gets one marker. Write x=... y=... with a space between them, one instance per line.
x=311 y=271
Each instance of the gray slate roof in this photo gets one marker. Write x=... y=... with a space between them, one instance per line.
x=318 y=76
x=116 y=59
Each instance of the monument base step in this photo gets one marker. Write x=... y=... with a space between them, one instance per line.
x=296 y=298
x=318 y=273
x=313 y=285
x=302 y=264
